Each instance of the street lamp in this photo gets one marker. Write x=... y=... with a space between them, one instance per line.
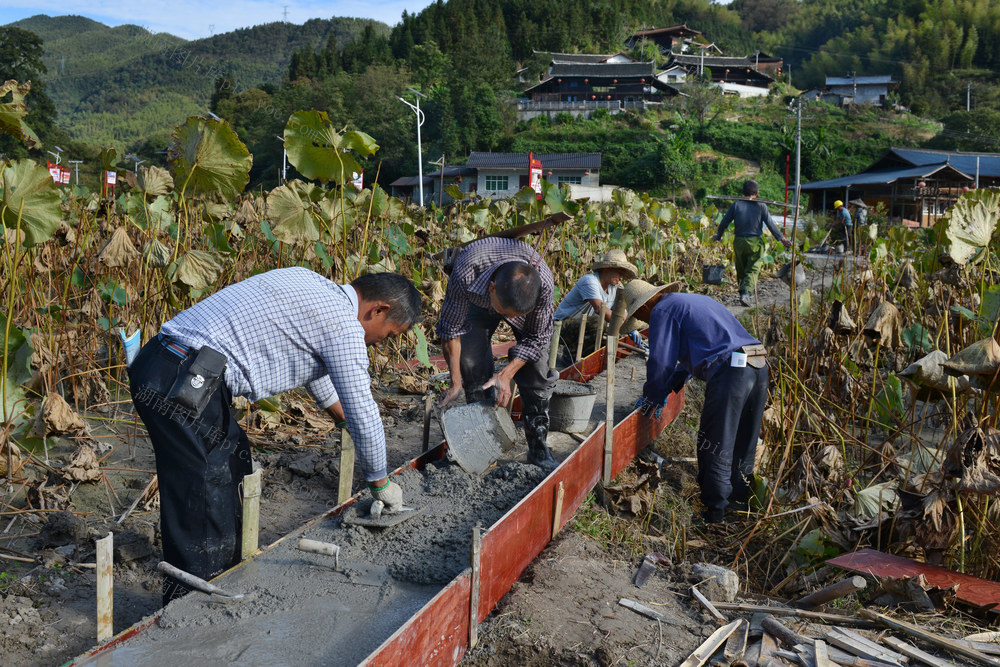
x=56 y=155
x=420 y=121
x=76 y=169
x=135 y=168
x=284 y=159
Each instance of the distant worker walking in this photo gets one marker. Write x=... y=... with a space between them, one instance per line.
x=749 y=218
x=492 y=280
x=694 y=335
x=842 y=225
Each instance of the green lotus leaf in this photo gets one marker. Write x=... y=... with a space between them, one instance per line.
x=317 y=150
x=198 y=269
x=292 y=211
x=154 y=181
x=28 y=191
x=205 y=155
x=155 y=215
x=338 y=215
x=971 y=223
x=17 y=371
x=12 y=113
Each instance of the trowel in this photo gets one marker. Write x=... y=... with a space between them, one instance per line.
x=377 y=516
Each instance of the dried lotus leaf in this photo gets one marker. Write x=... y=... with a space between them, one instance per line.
x=885 y=325
x=980 y=358
x=927 y=372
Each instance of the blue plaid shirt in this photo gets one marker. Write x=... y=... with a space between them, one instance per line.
x=290 y=328
x=470 y=282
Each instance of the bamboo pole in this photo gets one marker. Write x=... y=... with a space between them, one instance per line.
x=617 y=318
x=937 y=640
x=554 y=343
x=557 y=511
x=601 y=319
x=105 y=588
x=251 y=514
x=579 y=338
x=346 y=467
x=474 y=595
x=832 y=592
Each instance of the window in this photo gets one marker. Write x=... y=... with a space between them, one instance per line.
x=575 y=180
x=496 y=183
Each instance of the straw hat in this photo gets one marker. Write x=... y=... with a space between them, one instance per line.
x=857 y=202
x=637 y=293
x=616 y=259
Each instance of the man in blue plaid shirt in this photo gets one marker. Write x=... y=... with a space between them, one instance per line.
x=276 y=331
x=496 y=279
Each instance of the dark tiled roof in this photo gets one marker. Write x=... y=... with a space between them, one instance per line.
x=451 y=172
x=861 y=80
x=883 y=176
x=672 y=30
x=710 y=61
x=602 y=70
x=482 y=160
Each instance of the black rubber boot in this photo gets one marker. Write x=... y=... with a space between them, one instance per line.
x=536 y=431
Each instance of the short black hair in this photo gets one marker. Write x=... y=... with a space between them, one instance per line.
x=517 y=286
x=750 y=188
x=396 y=290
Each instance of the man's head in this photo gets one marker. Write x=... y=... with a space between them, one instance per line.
x=388 y=305
x=514 y=289
x=750 y=188
x=837 y=205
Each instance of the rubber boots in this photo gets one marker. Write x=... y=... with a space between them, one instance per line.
x=536 y=431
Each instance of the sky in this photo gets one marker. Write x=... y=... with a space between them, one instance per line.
x=194 y=19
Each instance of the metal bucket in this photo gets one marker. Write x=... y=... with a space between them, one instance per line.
x=712 y=273
x=571 y=406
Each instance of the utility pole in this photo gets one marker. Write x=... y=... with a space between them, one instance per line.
x=420 y=156
x=284 y=159
x=76 y=169
x=968 y=97
x=440 y=163
x=854 y=94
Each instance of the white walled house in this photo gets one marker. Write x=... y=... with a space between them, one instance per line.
x=500 y=175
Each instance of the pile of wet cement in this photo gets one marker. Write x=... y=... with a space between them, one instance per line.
x=299 y=608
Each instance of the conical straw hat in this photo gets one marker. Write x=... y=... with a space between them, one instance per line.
x=616 y=259
x=638 y=292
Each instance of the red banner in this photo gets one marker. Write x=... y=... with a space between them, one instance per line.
x=535 y=175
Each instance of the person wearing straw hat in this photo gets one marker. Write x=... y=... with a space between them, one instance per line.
x=591 y=293
x=748 y=218
x=694 y=335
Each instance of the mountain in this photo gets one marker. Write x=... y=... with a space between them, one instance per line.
x=125 y=85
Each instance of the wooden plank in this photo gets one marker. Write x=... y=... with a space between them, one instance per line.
x=251 y=514
x=105 y=588
x=557 y=512
x=768 y=645
x=346 y=482
x=917 y=654
x=858 y=648
x=972 y=590
x=713 y=612
x=736 y=645
x=710 y=645
x=951 y=645
x=875 y=646
x=438 y=633
x=474 y=596
x=820 y=655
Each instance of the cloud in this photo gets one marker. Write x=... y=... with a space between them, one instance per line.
x=194 y=19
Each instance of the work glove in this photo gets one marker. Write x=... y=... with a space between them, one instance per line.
x=391 y=494
x=639 y=341
x=647 y=407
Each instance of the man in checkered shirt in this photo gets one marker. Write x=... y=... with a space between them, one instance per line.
x=496 y=279
x=279 y=330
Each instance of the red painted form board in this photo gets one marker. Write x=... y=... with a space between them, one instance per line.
x=978 y=592
x=438 y=634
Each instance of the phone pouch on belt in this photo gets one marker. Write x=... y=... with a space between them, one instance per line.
x=199 y=377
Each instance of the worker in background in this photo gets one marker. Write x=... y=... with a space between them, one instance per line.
x=694 y=335
x=860 y=216
x=493 y=280
x=268 y=334
x=749 y=218
x=593 y=292
x=842 y=225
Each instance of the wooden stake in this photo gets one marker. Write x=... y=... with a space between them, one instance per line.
x=822 y=657
x=557 y=512
x=797 y=613
x=648 y=612
x=710 y=645
x=152 y=485
x=105 y=588
x=832 y=592
x=346 y=467
x=930 y=637
x=787 y=637
x=602 y=318
x=428 y=409
x=617 y=318
x=554 y=343
x=474 y=597
x=251 y=513
x=719 y=618
x=579 y=337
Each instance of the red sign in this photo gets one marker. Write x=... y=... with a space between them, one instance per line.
x=110 y=178
x=55 y=171
x=64 y=177
x=535 y=175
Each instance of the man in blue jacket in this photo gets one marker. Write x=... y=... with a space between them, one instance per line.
x=694 y=335
x=749 y=218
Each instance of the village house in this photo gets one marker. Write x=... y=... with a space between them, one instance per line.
x=916 y=186
x=846 y=90
x=436 y=185
x=735 y=76
x=667 y=40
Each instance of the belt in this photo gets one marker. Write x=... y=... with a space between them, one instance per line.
x=181 y=351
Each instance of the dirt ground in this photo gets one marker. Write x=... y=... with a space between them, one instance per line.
x=564 y=610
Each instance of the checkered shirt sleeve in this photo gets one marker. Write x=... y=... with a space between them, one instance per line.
x=290 y=328
x=469 y=283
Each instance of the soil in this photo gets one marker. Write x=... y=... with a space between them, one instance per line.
x=47 y=605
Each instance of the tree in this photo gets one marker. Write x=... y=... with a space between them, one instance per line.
x=21 y=59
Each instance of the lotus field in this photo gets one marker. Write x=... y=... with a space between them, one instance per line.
x=885 y=398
